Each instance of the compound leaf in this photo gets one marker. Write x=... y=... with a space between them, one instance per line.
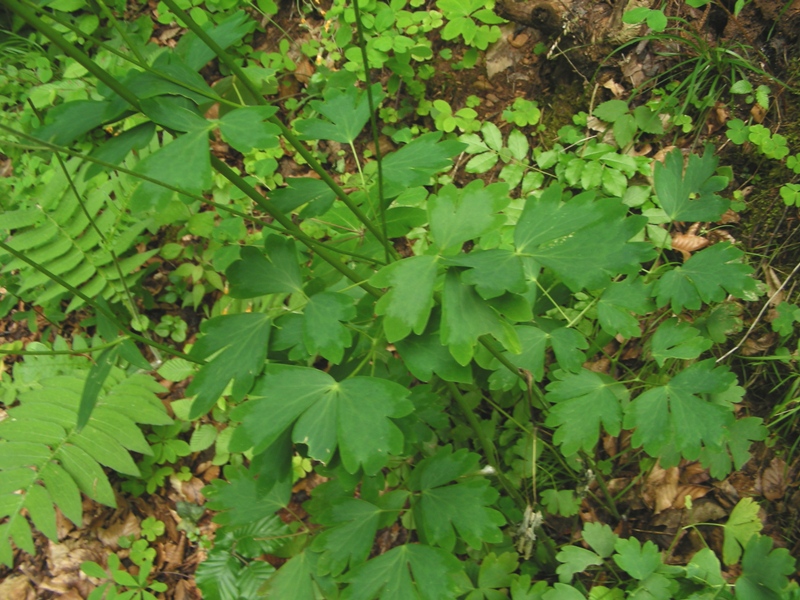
x=409 y=572
x=246 y=128
x=350 y=538
x=415 y=163
x=600 y=537
x=618 y=301
x=492 y=272
x=444 y=507
x=674 y=339
x=425 y=355
x=184 y=163
x=240 y=345
x=466 y=317
x=637 y=560
x=764 y=570
x=708 y=276
x=743 y=523
x=407 y=305
x=575 y=560
x=582 y=404
x=353 y=415
x=323 y=331
x=690 y=196
x=458 y=215
x=675 y=414
x=346 y=111
x=584 y=240
x=273 y=271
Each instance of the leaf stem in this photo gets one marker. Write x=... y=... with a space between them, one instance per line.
x=372 y=120
x=285 y=131
x=290 y=227
x=486 y=444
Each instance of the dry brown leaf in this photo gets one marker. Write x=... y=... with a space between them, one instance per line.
x=758 y=113
x=751 y=347
x=615 y=88
x=689 y=242
x=730 y=216
x=17 y=587
x=660 y=488
x=694 y=492
x=772 y=481
x=773 y=285
x=121 y=527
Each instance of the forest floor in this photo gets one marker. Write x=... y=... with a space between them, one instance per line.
x=569 y=80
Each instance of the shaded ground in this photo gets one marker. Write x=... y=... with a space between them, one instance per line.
x=572 y=79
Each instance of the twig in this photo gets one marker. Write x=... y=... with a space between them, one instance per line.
x=760 y=314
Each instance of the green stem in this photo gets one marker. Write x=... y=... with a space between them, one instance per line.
x=372 y=119
x=141 y=63
x=74 y=52
x=290 y=227
x=302 y=237
x=601 y=482
x=61 y=352
x=285 y=131
x=486 y=444
x=488 y=343
x=98 y=307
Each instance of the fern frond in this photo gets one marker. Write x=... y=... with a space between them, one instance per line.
x=45 y=462
x=57 y=234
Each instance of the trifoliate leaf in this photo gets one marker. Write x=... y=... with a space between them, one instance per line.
x=581 y=404
x=764 y=570
x=584 y=240
x=637 y=560
x=350 y=538
x=407 y=305
x=492 y=272
x=443 y=508
x=408 y=572
x=742 y=524
x=247 y=128
x=690 y=196
x=273 y=271
x=618 y=301
x=708 y=276
x=458 y=215
x=600 y=537
x=575 y=560
x=675 y=339
x=466 y=317
x=676 y=413
x=346 y=111
x=323 y=331
x=415 y=163
x=352 y=415
x=240 y=344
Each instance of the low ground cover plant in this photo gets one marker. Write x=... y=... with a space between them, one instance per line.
x=464 y=364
